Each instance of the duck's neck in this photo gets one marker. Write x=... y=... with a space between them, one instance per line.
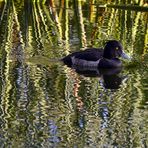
x=108 y=54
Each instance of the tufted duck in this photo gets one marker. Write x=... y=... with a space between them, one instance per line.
x=97 y=57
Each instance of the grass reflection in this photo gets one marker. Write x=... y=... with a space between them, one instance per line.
x=43 y=103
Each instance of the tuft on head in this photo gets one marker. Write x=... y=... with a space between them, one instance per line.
x=113 y=49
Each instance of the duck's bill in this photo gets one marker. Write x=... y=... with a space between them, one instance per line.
x=125 y=56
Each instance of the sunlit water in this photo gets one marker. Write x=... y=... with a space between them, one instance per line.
x=46 y=104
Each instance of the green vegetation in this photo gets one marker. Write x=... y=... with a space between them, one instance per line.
x=36 y=92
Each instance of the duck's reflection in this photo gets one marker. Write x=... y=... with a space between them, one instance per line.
x=110 y=78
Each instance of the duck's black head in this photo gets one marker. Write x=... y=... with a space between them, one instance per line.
x=114 y=49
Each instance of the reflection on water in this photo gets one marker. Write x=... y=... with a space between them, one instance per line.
x=44 y=103
x=109 y=78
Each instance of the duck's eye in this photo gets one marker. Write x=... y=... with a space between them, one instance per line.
x=117 y=48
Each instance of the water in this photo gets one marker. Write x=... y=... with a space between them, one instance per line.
x=44 y=103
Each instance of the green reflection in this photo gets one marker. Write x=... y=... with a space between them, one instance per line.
x=46 y=104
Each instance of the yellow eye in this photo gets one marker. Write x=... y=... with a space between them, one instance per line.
x=117 y=48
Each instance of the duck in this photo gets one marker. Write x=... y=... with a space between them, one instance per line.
x=109 y=57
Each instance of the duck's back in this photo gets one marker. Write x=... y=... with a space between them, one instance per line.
x=90 y=54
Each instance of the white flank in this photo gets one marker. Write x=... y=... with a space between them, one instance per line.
x=84 y=63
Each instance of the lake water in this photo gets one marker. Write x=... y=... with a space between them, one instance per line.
x=44 y=103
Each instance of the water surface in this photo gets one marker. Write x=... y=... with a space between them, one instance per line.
x=44 y=103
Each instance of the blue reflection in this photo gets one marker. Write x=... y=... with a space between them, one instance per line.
x=53 y=132
x=105 y=116
x=81 y=121
x=104 y=113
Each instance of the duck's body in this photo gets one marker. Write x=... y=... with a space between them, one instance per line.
x=97 y=57
x=92 y=54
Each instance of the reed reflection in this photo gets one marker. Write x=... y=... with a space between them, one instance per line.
x=40 y=103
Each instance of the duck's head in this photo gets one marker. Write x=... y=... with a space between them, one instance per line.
x=114 y=49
